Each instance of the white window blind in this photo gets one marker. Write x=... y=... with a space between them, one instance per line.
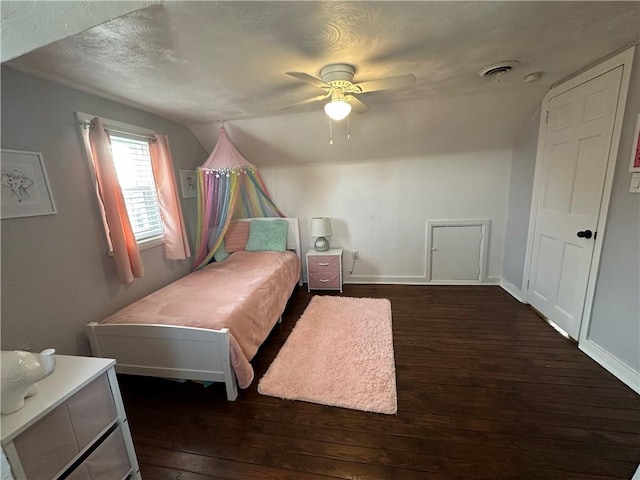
x=135 y=174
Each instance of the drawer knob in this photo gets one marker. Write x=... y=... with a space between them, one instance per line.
x=323 y=264
x=323 y=280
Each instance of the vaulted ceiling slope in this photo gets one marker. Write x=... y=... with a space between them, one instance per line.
x=29 y=24
x=201 y=62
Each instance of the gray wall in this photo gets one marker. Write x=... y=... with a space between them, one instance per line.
x=615 y=320
x=519 y=203
x=55 y=275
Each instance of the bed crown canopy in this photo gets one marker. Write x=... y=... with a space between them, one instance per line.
x=223 y=179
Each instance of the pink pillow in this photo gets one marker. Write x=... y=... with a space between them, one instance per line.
x=236 y=237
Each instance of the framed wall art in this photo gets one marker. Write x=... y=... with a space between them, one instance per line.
x=24 y=185
x=634 y=166
x=188 y=183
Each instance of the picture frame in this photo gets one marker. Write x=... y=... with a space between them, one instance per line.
x=188 y=183
x=24 y=185
x=634 y=165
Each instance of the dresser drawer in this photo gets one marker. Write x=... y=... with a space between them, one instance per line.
x=324 y=281
x=80 y=473
x=324 y=263
x=92 y=410
x=54 y=441
x=107 y=462
x=47 y=446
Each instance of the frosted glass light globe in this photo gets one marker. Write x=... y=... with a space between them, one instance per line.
x=337 y=109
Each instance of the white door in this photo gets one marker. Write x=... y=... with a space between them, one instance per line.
x=577 y=140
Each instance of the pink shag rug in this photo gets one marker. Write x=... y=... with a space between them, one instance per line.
x=340 y=353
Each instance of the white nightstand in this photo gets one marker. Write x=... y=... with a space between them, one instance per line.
x=75 y=427
x=324 y=269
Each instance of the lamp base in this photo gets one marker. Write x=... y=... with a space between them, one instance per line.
x=322 y=244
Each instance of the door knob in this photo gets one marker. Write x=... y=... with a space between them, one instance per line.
x=585 y=234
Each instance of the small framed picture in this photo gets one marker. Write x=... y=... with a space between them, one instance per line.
x=24 y=190
x=188 y=183
x=634 y=166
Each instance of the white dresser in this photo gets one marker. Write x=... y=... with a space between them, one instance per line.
x=74 y=428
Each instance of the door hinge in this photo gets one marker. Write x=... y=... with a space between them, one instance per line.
x=547 y=119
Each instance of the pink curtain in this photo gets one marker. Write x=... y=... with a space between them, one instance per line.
x=114 y=211
x=176 y=242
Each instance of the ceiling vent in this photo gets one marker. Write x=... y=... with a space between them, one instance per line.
x=498 y=69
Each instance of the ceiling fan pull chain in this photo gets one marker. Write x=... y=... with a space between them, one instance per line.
x=330 y=132
x=348 y=129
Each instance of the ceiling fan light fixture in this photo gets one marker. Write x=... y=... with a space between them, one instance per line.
x=337 y=109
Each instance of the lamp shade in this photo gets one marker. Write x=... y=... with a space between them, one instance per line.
x=337 y=109
x=320 y=227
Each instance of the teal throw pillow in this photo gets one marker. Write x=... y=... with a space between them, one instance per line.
x=267 y=235
x=220 y=254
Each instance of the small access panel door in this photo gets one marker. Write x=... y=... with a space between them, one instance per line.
x=456 y=252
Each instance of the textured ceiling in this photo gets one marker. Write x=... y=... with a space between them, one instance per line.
x=29 y=24
x=198 y=62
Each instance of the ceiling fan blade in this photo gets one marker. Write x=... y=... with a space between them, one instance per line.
x=389 y=83
x=305 y=77
x=308 y=100
x=358 y=105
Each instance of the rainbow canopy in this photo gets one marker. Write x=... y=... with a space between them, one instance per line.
x=223 y=179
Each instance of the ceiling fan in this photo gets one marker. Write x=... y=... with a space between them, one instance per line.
x=336 y=80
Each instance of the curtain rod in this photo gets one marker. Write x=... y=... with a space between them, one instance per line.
x=90 y=125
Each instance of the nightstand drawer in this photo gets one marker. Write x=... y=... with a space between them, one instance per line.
x=324 y=281
x=324 y=264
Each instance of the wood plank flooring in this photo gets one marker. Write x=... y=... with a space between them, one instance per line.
x=486 y=389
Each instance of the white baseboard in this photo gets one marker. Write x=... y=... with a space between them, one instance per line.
x=512 y=290
x=399 y=280
x=623 y=372
x=382 y=279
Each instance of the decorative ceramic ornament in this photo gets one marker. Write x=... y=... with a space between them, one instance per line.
x=20 y=372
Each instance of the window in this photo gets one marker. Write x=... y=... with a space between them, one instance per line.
x=135 y=191
x=135 y=174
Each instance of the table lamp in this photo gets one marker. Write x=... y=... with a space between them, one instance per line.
x=321 y=228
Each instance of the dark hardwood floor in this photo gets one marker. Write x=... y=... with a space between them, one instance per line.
x=486 y=389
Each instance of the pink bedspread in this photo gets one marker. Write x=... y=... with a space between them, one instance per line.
x=246 y=294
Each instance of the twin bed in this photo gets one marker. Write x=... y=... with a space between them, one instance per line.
x=208 y=325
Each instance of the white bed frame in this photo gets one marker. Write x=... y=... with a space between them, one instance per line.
x=169 y=351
